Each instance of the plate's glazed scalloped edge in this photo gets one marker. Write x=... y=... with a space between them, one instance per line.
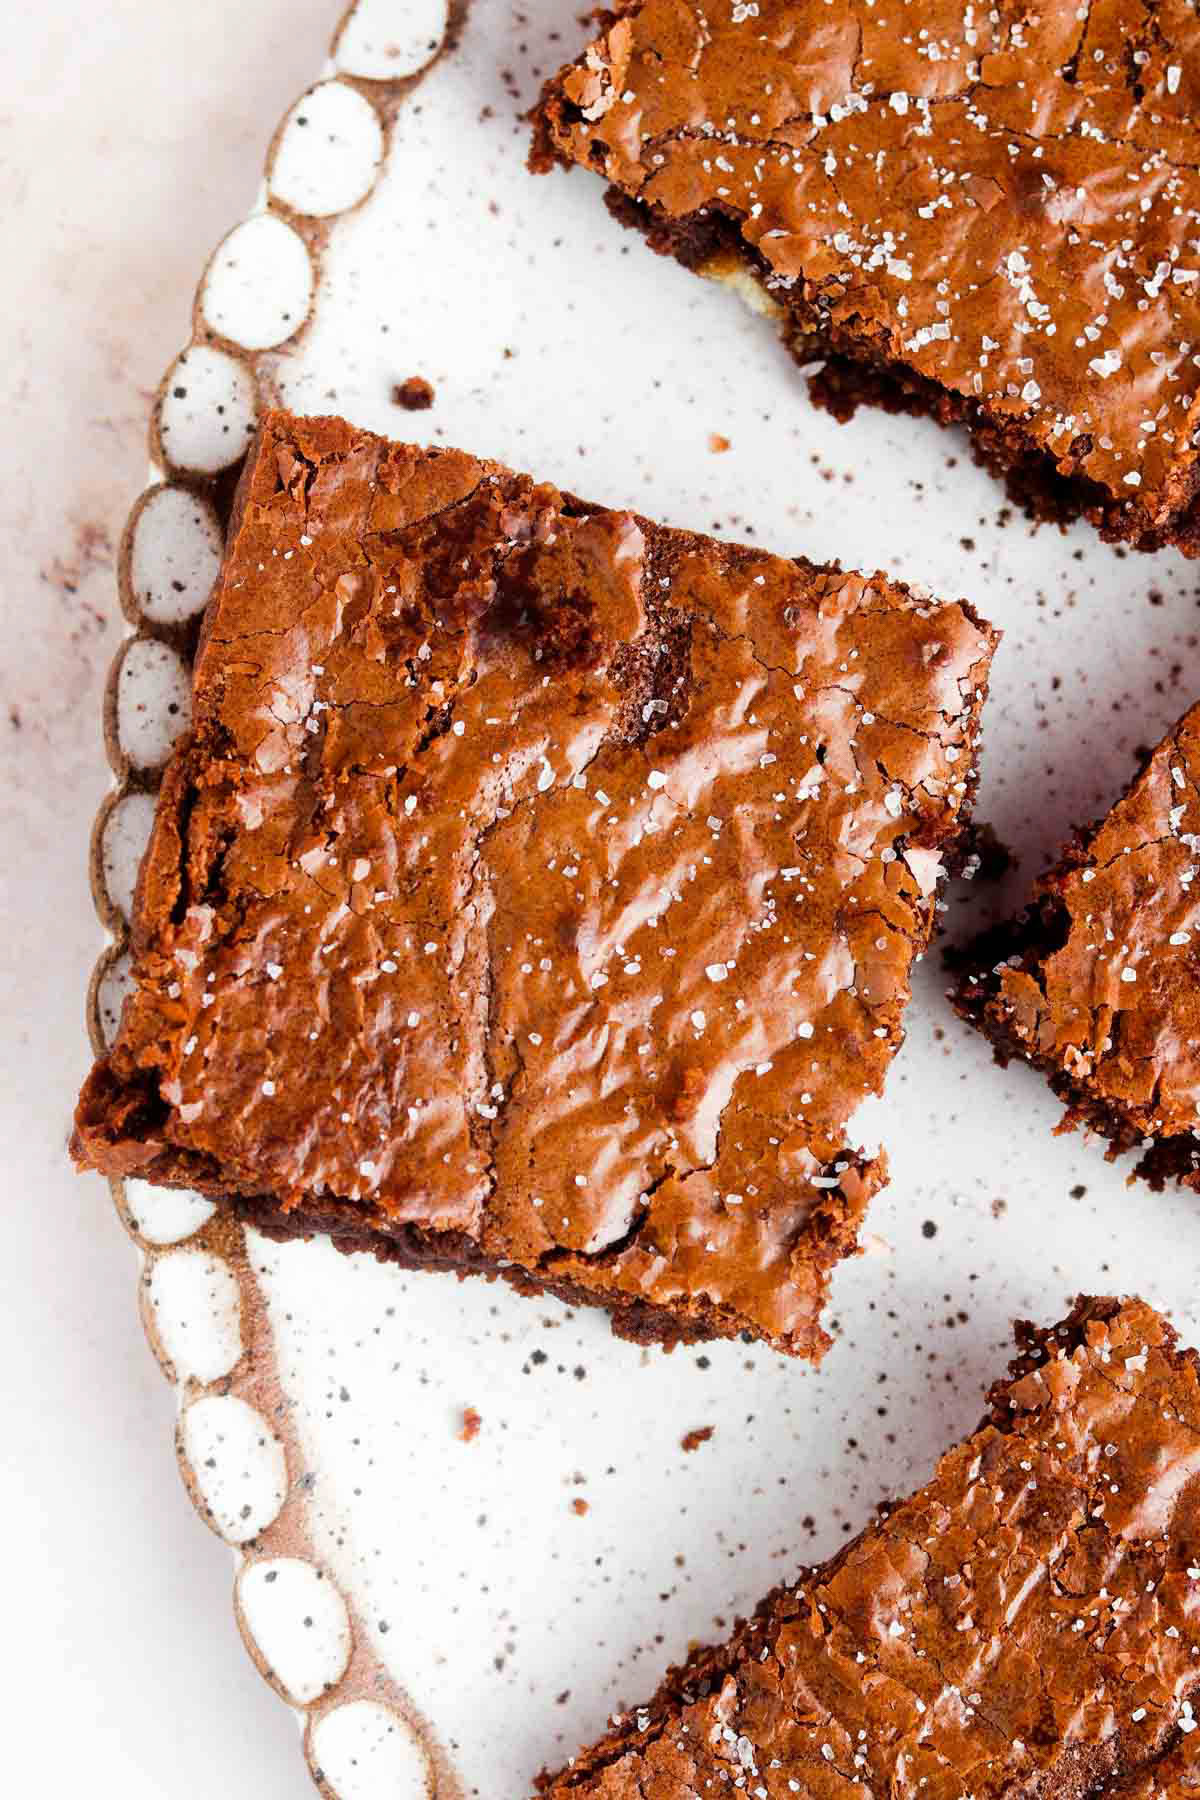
x=203 y=1311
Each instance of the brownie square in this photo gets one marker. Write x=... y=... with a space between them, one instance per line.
x=1026 y=1625
x=537 y=891
x=1097 y=982
x=990 y=214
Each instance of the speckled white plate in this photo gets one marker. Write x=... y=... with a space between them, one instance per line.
x=447 y=1616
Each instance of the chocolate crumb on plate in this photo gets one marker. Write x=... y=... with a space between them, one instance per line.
x=414 y=395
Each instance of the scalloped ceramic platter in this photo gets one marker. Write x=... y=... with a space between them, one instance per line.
x=448 y=1616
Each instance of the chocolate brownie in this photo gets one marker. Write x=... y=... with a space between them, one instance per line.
x=1026 y=1625
x=1097 y=982
x=991 y=214
x=538 y=888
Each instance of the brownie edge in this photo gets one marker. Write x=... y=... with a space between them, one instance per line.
x=1027 y=1624
x=1096 y=983
x=990 y=219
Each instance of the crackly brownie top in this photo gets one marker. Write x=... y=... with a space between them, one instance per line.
x=1026 y=1625
x=1005 y=198
x=538 y=873
x=1115 y=999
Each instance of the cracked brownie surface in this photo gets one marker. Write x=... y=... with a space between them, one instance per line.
x=1097 y=982
x=538 y=888
x=987 y=213
x=1027 y=1625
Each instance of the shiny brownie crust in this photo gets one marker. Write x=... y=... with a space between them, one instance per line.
x=1097 y=982
x=987 y=215
x=537 y=892
x=1025 y=1626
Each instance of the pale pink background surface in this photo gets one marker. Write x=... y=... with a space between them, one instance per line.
x=131 y=139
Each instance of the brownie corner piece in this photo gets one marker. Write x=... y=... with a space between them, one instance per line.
x=537 y=891
x=993 y=221
x=1097 y=982
x=1025 y=1624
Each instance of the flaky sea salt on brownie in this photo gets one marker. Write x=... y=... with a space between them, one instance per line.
x=991 y=213
x=1027 y=1625
x=538 y=889
x=1097 y=982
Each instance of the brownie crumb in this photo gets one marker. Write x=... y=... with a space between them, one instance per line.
x=692 y=1440
x=414 y=395
x=471 y=1422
